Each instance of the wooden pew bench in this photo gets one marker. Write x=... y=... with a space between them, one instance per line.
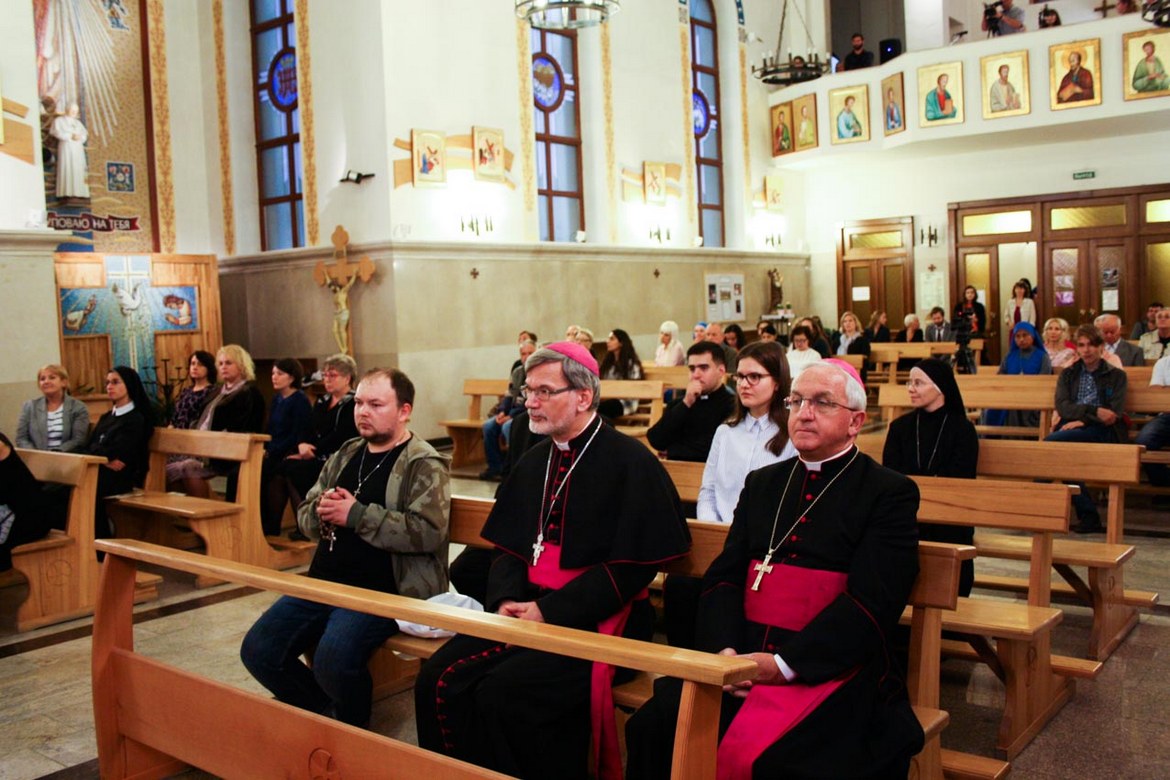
x=885 y=357
x=62 y=568
x=934 y=592
x=1142 y=402
x=672 y=377
x=229 y=529
x=467 y=434
x=989 y=391
x=650 y=404
x=153 y=720
x=1115 y=466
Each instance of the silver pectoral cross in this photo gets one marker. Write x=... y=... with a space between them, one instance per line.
x=762 y=568
x=537 y=548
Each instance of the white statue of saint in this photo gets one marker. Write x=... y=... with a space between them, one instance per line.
x=72 y=168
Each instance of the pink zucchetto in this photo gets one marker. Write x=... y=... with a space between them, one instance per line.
x=848 y=369
x=578 y=353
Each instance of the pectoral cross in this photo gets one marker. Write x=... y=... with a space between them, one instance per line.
x=537 y=548
x=763 y=567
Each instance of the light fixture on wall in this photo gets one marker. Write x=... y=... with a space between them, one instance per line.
x=566 y=14
x=773 y=240
x=928 y=236
x=354 y=177
x=796 y=69
x=476 y=225
x=660 y=233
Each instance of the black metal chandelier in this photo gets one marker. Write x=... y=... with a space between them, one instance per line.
x=795 y=69
x=566 y=14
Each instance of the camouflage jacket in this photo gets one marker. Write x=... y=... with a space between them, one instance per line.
x=413 y=524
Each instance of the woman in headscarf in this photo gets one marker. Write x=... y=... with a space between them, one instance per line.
x=1026 y=356
x=936 y=440
x=122 y=436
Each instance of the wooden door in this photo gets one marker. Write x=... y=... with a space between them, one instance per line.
x=979 y=267
x=1084 y=279
x=875 y=265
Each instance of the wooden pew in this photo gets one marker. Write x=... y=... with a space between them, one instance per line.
x=229 y=529
x=1037 y=683
x=885 y=357
x=672 y=377
x=649 y=397
x=62 y=569
x=153 y=719
x=1114 y=465
x=1141 y=403
x=934 y=591
x=467 y=434
x=990 y=391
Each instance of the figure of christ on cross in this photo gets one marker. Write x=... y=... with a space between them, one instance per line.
x=339 y=278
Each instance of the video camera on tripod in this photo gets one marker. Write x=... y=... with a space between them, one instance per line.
x=991 y=16
x=961 y=328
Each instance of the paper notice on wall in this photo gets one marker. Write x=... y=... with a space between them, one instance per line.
x=860 y=294
x=932 y=290
x=1109 y=300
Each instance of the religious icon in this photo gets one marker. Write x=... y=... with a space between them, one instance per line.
x=1146 y=52
x=849 y=108
x=804 y=115
x=429 y=155
x=1074 y=74
x=941 y=88
x=893 y=104
x=1004 y=84
x=782 y=129
x=654 y=182
x=487 y=153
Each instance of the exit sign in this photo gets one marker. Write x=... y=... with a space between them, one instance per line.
x=1078 y=175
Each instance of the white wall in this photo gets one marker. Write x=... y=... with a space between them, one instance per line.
x=22 y=187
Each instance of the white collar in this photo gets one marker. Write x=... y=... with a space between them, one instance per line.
x=125 y=409
x=817 y=465
x=565 y=447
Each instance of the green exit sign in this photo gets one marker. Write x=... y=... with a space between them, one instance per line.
x=1078 y=175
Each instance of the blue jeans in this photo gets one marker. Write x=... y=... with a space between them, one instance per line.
x=339 y=679
x=1093 y=434
x=492 y=431
x=1154 y=436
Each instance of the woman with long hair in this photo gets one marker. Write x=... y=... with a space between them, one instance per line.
x=669 y=351
x=971 y=310
x=819 y=341
x=620 y=362
x=936 y=440
x=288 y=425
x=1058 y=344
x=202 y=373
x=756 y=434
x=878 y=329
x=733 y=337
x=801 y=355
x=122 y=436
x=55 y=421
x=1021 y=307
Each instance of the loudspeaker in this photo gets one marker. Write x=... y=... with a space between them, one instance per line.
x=890 y=48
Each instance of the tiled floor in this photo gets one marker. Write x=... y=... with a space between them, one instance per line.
x=1115 y=727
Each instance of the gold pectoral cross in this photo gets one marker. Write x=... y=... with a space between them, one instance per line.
x=762 y=568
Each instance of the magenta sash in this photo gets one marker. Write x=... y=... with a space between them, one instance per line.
x=788 y=598
x=606 y=751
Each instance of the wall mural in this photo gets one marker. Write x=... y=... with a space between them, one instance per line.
x=94 y=123
x=129 y=310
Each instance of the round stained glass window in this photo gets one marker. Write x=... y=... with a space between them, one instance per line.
x=548 y=82
x=700 y=113
x=282 y=80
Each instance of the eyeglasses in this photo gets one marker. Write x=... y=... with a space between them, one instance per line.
x=918 y=384
x=819 y=405
x=752 y=379
x=542 y=394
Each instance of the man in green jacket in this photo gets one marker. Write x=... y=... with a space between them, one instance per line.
x=380 y=512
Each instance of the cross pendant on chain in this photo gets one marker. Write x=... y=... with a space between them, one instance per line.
x=762 y=568
x=537 y=548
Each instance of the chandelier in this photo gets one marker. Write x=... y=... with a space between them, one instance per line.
x=796 y=69
x=1157 y=12
x=566 y=14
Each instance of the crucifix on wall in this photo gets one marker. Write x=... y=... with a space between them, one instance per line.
x=339 y=278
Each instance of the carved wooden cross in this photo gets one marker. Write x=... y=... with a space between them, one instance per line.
x=339 y=278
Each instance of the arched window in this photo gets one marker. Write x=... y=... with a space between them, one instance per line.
x=278 y=124
x=560 y=194
x=705 y=113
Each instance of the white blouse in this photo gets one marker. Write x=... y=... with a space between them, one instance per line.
x=735 y=452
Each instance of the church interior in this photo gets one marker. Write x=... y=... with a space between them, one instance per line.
x=310 y=179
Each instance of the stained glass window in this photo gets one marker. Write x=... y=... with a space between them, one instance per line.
x=557 y=115
x=705 y=117
x=278 y=147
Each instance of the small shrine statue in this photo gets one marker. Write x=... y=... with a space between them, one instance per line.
x=776 y=299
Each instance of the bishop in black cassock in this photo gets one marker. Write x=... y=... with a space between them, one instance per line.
x=603 y=503
x=845 y=521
